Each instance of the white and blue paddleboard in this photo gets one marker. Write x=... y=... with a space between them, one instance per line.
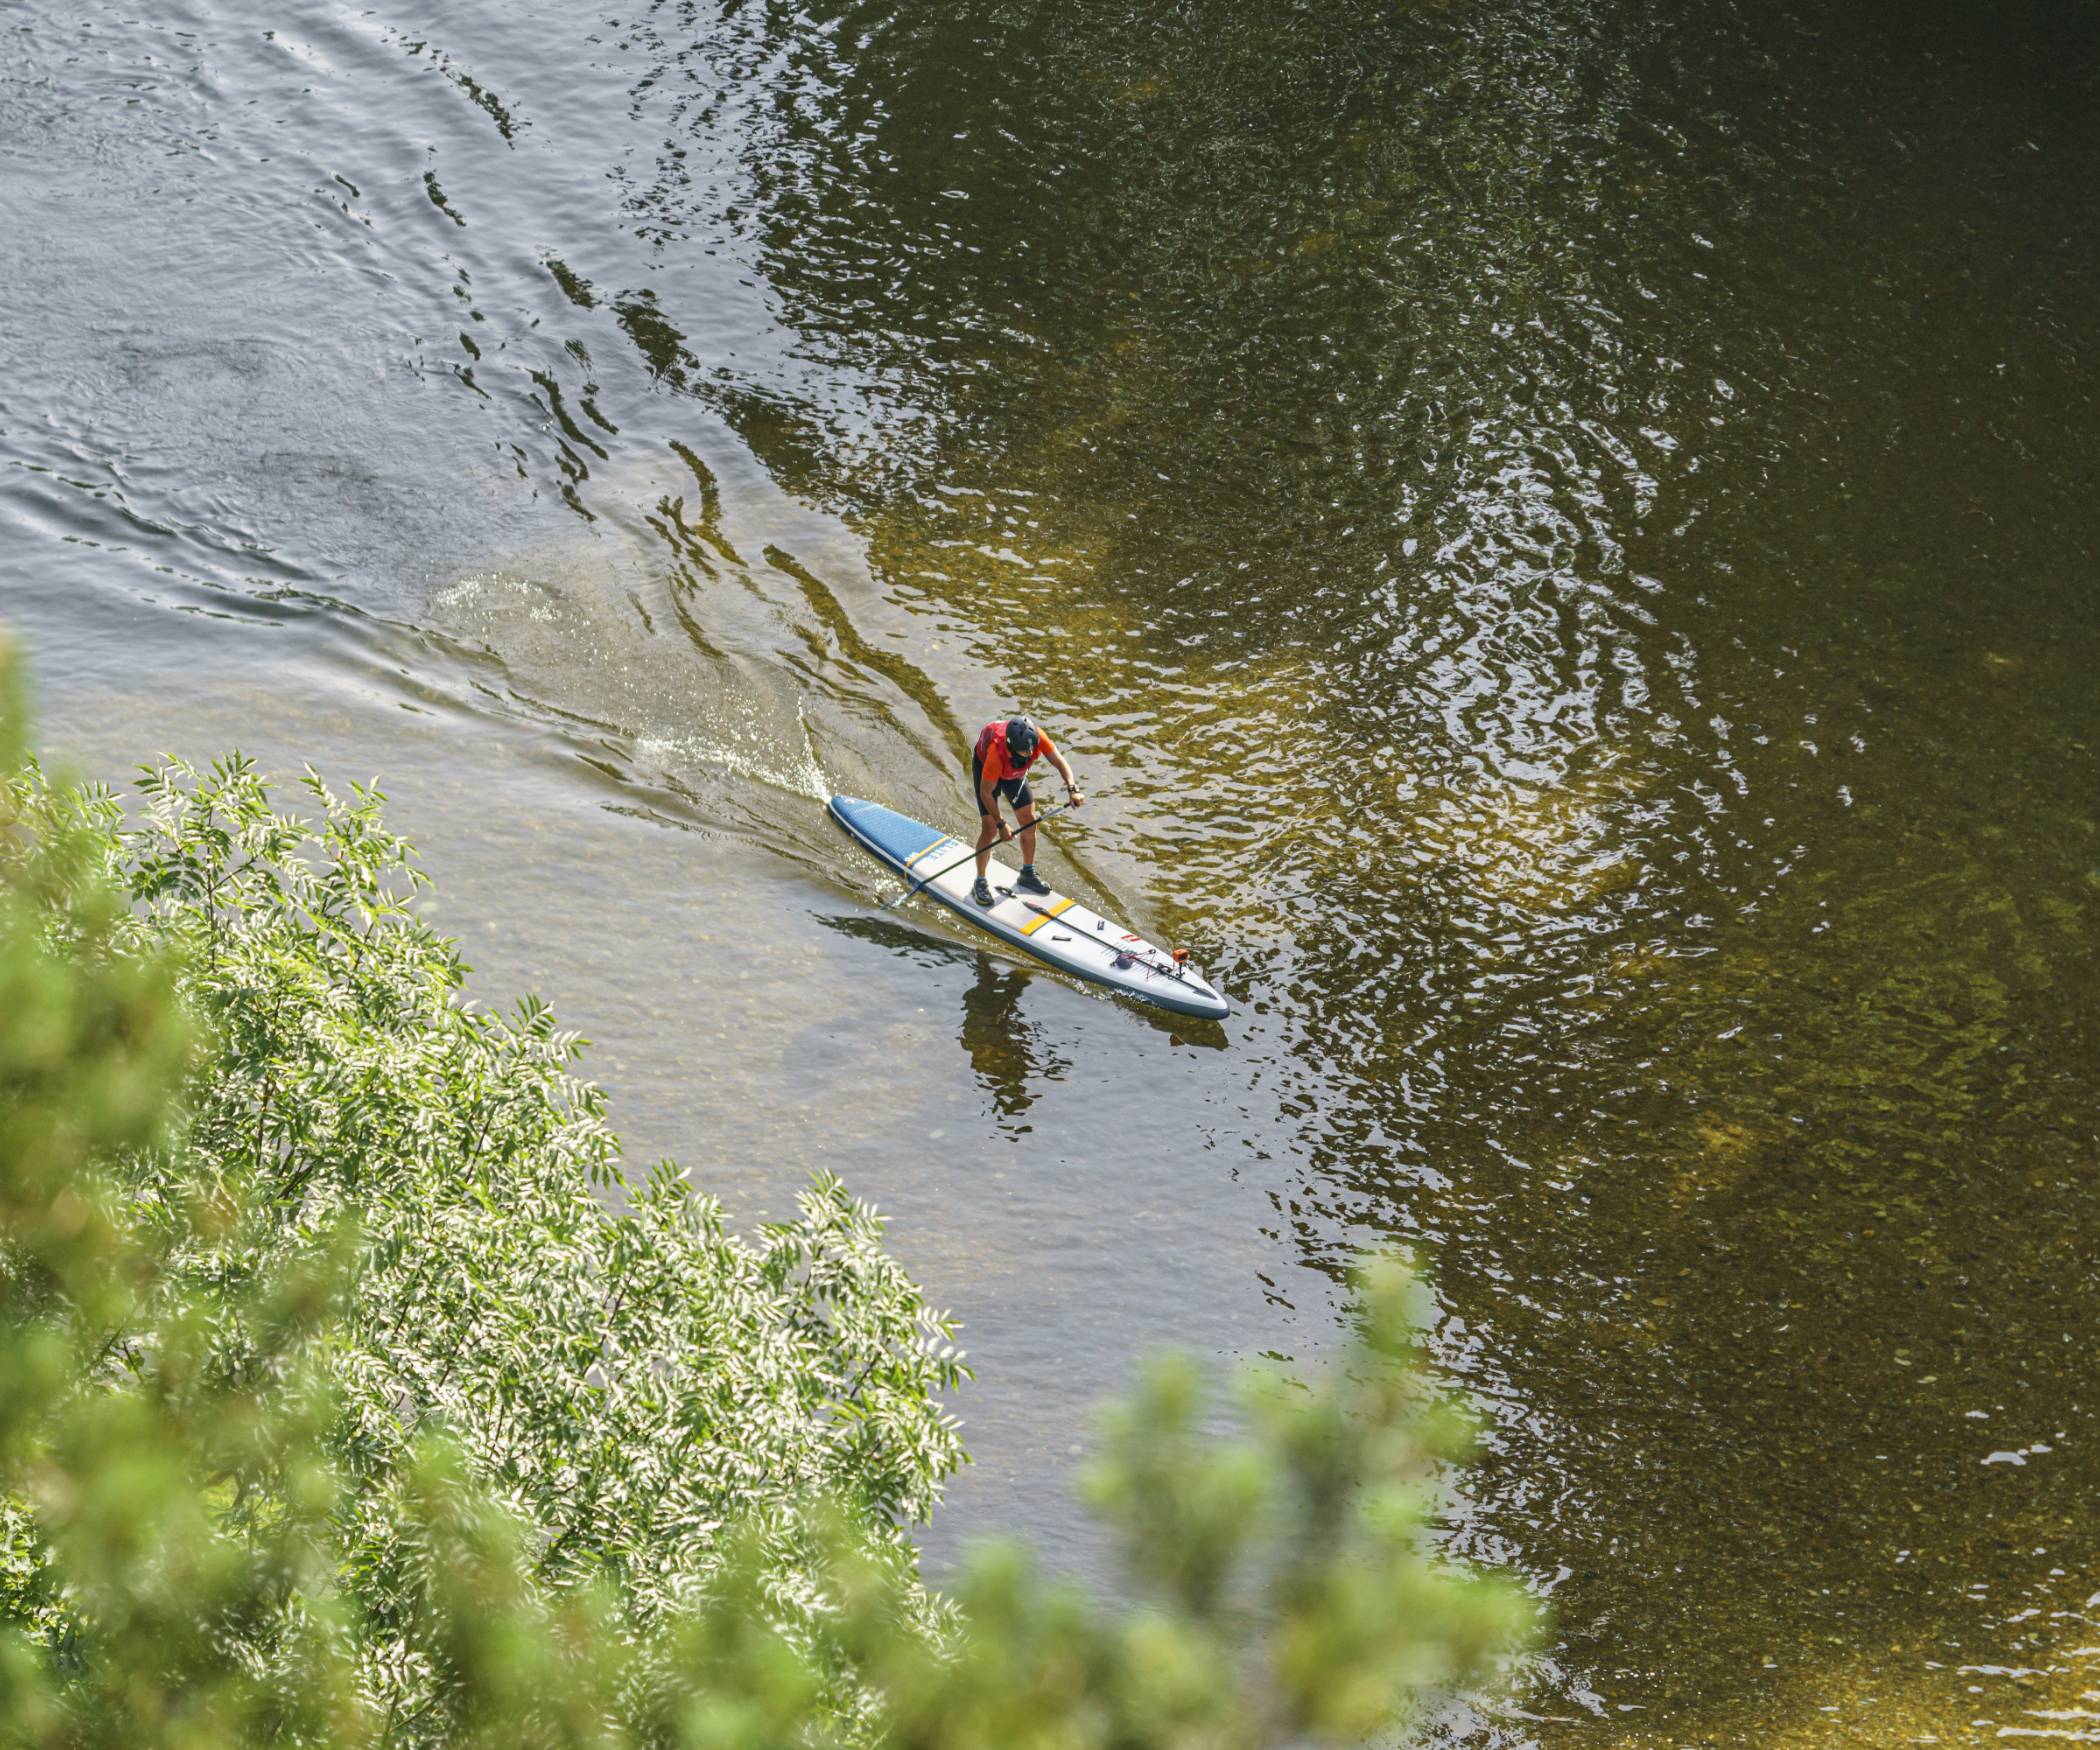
x=1050 y=926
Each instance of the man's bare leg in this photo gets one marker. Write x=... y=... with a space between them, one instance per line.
x=988 y=831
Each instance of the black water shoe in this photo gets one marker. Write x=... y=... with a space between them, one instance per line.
x=982 y=892
x=1028 y=881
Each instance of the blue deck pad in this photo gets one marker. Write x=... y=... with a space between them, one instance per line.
x=896 y=836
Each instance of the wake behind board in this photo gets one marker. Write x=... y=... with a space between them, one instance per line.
x=1050 y=926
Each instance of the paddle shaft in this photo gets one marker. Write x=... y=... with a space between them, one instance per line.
x=1040 y=814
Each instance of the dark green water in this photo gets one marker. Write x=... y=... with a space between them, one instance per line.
x=1558 y=533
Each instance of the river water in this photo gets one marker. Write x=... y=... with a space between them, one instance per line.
x=1556 y=532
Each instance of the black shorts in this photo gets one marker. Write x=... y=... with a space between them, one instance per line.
x=1015 y=790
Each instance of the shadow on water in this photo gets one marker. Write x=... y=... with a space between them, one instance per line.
x=998 y=1041
x=902 y=938
x=1009 y=1055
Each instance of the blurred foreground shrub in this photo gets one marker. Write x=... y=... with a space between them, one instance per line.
x=337 y=1407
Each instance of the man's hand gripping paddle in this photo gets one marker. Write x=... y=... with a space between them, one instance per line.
x=970 y=856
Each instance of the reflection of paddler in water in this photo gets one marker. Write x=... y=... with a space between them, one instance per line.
x=996 y=1037
x=999 y=767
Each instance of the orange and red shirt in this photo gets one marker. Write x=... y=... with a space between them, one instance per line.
x=997 y=761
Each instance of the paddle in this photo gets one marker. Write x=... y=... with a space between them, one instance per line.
x=969 y=856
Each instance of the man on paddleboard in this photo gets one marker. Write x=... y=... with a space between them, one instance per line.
x=1006 y=748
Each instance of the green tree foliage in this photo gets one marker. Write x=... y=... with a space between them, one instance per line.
x=345 y=1399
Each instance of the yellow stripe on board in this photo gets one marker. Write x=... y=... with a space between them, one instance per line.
x=1046 y=914
x=937 y=845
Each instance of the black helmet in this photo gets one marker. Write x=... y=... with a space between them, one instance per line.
x=1021 y=736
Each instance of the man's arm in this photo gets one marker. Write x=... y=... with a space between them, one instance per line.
x=1065 y=772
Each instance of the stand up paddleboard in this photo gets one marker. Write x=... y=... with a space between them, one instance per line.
x=1050 y=926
